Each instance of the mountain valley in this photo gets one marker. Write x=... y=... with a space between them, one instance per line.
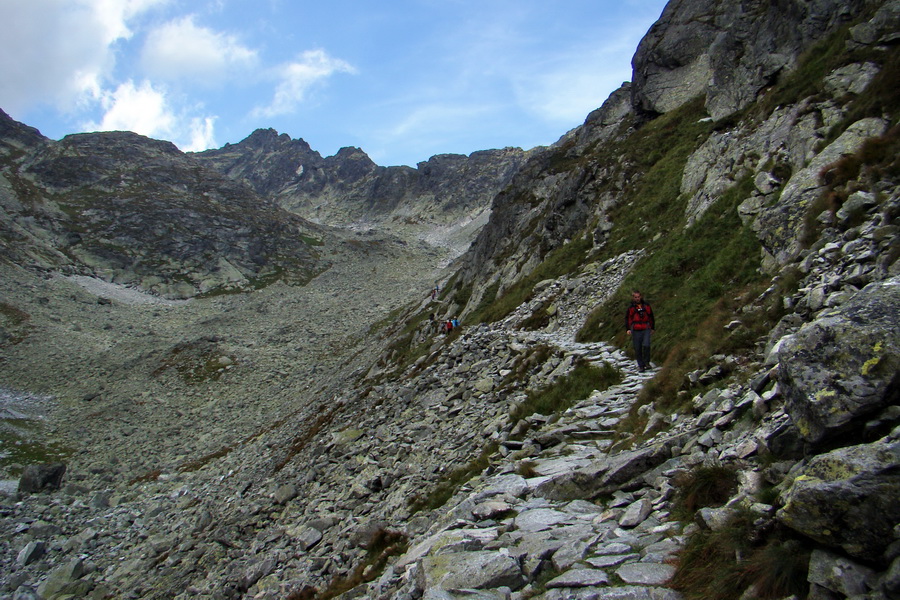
x=236 y=354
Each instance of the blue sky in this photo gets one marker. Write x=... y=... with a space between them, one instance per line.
x=403 y=80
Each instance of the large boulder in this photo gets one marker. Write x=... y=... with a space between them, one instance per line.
x=849 y=499
x=620 y=471
x=42 y=478
x=470 y=570
x=841 y=368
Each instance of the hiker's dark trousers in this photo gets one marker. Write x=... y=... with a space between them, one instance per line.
x=641 y=341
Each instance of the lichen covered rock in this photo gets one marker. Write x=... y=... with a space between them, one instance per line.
x=849 y=499
x=843 y=366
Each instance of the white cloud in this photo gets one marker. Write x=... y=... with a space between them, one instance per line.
x=298 y=78
x=61 y=51
x=182 y=50
x=147 y=110
x=202 y=135
x=141 y=109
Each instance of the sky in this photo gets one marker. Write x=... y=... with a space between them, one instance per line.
x=401 y=79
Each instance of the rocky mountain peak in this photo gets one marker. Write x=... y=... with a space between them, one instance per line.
x=269 y=139
x=17 y=135
x=349 y=190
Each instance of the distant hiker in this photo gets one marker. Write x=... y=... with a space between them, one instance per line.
x=434 y=293
x=640 y=324
x=448 y=326
x=455 y=322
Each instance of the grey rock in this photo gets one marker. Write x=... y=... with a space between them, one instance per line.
x=61 y=578
x=42 y=478
x=611 y=560
x=539 y=519
x=841 y=366
x=636 y=513
x=32 y=552
x=645 y=573
x=308 y=537
x=857 y=487
x=840 y=574
x=285 y=493
x=573 y=551
x=470 y=570
x=715 y=519
x=577 y=578
x=852 y=79
x=881 y=29
x=712 y=48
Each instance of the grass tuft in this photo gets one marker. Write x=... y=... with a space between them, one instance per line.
x=448 y=486
x=727 y=563
x=701 y=487
x=381 y=547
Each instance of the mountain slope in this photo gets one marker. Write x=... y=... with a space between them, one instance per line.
x=138 y=211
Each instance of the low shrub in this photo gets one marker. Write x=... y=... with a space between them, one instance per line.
x=381 y=547
x=448 y=486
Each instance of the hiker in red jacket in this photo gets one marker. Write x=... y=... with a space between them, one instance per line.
x=640 y=324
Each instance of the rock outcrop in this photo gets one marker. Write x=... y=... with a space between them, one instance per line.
x=727 y=50
x=843 y=368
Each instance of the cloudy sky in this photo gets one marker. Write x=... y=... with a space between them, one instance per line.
x=401 y=79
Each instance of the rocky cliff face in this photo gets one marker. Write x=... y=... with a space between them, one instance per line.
x=729 y=51
x=447 y=192
x=137 y=211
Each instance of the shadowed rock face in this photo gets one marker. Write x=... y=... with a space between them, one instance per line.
x=728 y=50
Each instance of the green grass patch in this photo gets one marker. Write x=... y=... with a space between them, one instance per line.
x=300 y=442
x=14 y=324
x=311 y=241
x=701 y=487
x=406 y=349
x=659 y=151
x=807 y=78
x=568 y=390
x=196 y=362
x=526 y=363
x=383 y=545
x=19 y=446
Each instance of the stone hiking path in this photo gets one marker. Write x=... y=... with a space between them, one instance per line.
x=504 y=534
x=508 y=536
